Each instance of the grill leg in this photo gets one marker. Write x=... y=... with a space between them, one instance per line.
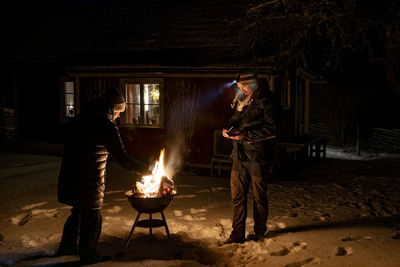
x=151 y=235
x=130 y=234
x=150 y=229
x=169 y=236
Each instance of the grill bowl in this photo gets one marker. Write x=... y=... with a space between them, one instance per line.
x=150 y=204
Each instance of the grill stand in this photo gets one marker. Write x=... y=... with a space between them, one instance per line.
x=151 y=223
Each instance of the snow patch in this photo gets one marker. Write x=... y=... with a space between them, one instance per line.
x=114 y=209
x=299 y=246
x=46 y=213
x=176 y=227
x=339 y=153
x=21 y=219
x=343 y=251
x=185 y=196
x=117 y=221
x=281 y=225
x=196 y=231
x=195 y=211
x=225 y=222
x=116 y=226
x=39 y=241
x=178 y=213
x=249 y=252
x=31 y=206
x=188 y=218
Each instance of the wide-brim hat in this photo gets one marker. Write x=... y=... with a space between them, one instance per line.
x=246 y=75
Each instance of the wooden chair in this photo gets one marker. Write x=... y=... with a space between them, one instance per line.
x=222 y=149
x=318 y=148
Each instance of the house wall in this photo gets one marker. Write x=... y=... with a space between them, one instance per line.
x=287 y=126
x=91 y=88
x=212 y=96
x=39 y=111
x=212 y=112
x=215 y=96
x=36 y=102
x=286 y=131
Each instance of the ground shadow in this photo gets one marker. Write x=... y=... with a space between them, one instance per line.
x=141 y=247
x=39 y=259
x=157 y=247
x=389 y=221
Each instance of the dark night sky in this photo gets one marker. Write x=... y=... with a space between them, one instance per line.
x=18 y=20
x=21 y=17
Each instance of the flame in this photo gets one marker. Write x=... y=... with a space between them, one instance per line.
x=151 y=183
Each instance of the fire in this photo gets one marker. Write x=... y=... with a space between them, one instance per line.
x=152 y=183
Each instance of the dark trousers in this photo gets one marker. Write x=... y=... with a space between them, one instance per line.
x=244 y=175
x=85 y=225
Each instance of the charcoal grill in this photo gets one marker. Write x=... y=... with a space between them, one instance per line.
x=150 y=206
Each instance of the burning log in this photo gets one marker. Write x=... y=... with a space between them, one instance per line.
x=156 y=185
x=166 y=188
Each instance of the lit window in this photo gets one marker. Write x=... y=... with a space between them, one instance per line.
x=143 y=104
x=69 y=97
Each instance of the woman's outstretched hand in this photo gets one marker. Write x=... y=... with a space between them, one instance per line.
x=234 y=135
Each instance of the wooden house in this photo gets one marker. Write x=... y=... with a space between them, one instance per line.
x=174 y=61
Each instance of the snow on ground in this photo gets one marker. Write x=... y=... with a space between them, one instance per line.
x=335 y=213
x=340 y=153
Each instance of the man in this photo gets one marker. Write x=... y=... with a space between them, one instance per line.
x=252 y=128
x=89 y=138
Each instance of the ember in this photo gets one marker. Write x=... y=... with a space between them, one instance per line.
x=156 y=185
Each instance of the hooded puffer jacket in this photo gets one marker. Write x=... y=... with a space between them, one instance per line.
x=258 y=121
x=88 y=140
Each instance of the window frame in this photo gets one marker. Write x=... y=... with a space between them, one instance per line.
x=64 y=117
x=142 y=81
x=73 y=105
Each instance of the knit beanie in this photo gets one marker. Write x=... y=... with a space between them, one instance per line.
x=116 y=99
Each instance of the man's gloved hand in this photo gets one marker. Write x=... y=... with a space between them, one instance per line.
x=141 y=168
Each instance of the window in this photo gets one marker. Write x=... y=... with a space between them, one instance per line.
x=69 y=99
x=144 y=103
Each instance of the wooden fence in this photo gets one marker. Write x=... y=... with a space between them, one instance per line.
x=383 y=140
x=374 y=140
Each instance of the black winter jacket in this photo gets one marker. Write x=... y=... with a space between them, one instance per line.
x=89 y=138
x=257 y=121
